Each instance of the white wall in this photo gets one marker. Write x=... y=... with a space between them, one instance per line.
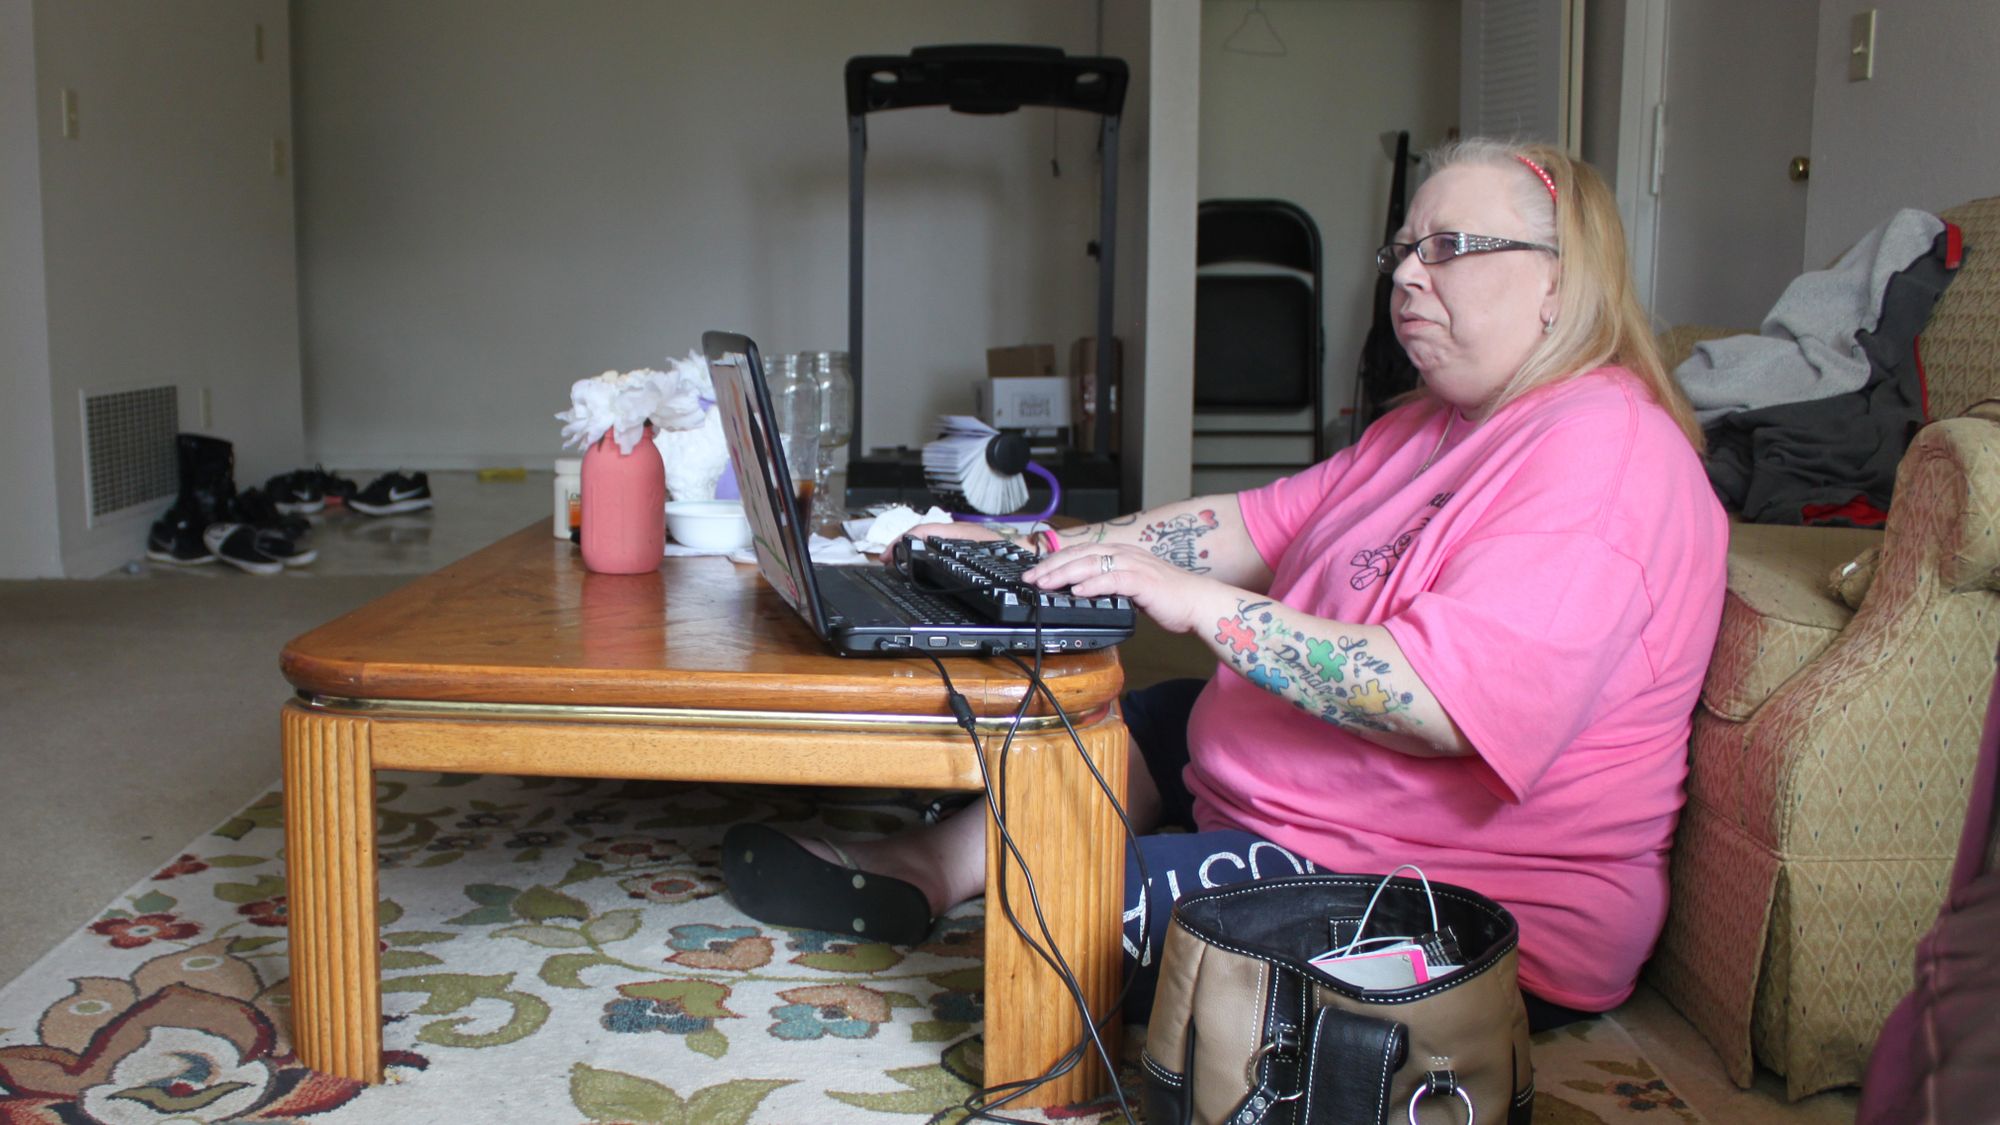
x=27 y=455
x=1921 y=133
x=498 y=197
x=168 y=240
x=1306 y=127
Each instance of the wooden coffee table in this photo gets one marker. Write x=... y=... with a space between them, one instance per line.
x=516 y=660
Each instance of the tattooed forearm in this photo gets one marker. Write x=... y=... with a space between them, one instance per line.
x=1099 y=532
x=1333 y=677
x=1176 y=540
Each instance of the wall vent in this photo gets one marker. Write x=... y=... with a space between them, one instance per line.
x=128 y=441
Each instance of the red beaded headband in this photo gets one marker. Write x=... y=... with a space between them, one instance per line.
x=1541 y=174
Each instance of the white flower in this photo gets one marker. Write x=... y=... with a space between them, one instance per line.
x=622 y=403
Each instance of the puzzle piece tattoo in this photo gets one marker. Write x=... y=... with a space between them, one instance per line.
x=1235 y=634
x=1324 y=660
x=1269 y=679
x=1312 y=672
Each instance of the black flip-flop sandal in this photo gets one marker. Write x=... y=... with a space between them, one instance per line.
x=773 y=878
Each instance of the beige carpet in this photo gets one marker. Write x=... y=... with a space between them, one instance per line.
x=134 y=716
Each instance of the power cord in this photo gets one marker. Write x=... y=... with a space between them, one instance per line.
x=1038 y=683
x=982 y=1104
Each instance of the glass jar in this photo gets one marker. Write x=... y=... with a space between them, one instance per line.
x=795 y=413
x=829 y=371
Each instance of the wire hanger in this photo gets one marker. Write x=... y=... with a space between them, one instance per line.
x=1255 y=35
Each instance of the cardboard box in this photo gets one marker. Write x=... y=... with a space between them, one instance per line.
x=1015 y=403
x=1083 y=388
x=1022 y=361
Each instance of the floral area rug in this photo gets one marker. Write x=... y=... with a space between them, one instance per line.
x=559 y=951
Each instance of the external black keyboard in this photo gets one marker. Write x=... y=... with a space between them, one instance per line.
x=987 y=574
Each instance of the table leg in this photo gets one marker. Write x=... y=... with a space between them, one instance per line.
x=330 y=871
x=1075 y=847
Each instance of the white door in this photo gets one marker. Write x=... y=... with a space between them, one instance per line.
x=1738 y=108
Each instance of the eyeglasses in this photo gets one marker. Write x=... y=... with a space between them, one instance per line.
x=1436 y=249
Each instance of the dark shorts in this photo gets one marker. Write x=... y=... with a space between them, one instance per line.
x=1179 y=860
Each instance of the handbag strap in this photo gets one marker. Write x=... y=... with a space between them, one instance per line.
x=1352 y=1061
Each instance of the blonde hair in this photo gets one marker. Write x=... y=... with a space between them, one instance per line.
x=1599 y=319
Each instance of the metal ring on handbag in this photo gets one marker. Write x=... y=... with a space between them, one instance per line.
x=1426 y=1088
x=1257 y=1060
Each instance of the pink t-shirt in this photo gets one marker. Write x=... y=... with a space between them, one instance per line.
x=1555 y=578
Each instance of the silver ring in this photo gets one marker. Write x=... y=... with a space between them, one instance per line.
x=1105 y=563
x=1423 y=1089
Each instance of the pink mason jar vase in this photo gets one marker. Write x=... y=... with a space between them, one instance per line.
x=624 y=507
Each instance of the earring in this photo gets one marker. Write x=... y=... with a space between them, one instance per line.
x=1548 y=325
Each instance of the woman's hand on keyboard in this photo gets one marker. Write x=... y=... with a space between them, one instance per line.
x=1175 y=599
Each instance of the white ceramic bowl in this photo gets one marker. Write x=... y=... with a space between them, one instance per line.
x=708 y=525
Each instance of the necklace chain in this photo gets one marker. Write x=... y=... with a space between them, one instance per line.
x=1449 y=417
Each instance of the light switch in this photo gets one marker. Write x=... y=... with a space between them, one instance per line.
x=1861 y=50
x=69 y=121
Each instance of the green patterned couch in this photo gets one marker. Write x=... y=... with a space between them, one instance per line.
x=1833 y=745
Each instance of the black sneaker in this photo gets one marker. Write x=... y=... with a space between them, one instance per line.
x=176 y=538
x=259 y=509
x=296 y=493
x=336 y=488
x=285 y=548
x=236 y=544
x=285 y=538
x=393 y=492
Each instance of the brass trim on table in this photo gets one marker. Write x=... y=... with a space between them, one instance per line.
x=686 y=716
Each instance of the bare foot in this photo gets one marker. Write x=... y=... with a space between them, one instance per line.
x=946 y=860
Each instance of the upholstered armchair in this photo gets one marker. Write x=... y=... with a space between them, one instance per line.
x=1838 y=727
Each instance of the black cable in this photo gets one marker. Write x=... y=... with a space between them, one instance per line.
x=1131 y=838
x=996 y=803
x=979 y=1104
x=1052 y=954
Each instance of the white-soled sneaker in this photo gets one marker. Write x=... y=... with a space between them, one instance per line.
x=296 y=493
x=286 y=548
x=391 y=493
x=236 y=544
x=176 y=538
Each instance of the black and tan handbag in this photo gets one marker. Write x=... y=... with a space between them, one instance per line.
x=1246 y=1032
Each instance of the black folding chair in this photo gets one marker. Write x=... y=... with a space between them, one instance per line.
x=1260 y=340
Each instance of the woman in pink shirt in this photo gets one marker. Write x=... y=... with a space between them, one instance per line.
x=1472 y=641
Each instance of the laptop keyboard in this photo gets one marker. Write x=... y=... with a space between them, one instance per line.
x=929 y=609
x=987 y=575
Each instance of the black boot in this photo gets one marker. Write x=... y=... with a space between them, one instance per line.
x=208 y=476
x=207 y=494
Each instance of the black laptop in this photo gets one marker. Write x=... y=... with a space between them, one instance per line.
x=868 y=609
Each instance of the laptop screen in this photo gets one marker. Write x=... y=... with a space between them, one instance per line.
x=761 y=473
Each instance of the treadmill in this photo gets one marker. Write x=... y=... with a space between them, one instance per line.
x=984 y=80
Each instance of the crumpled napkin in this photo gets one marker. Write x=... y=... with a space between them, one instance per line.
x=877 y=534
